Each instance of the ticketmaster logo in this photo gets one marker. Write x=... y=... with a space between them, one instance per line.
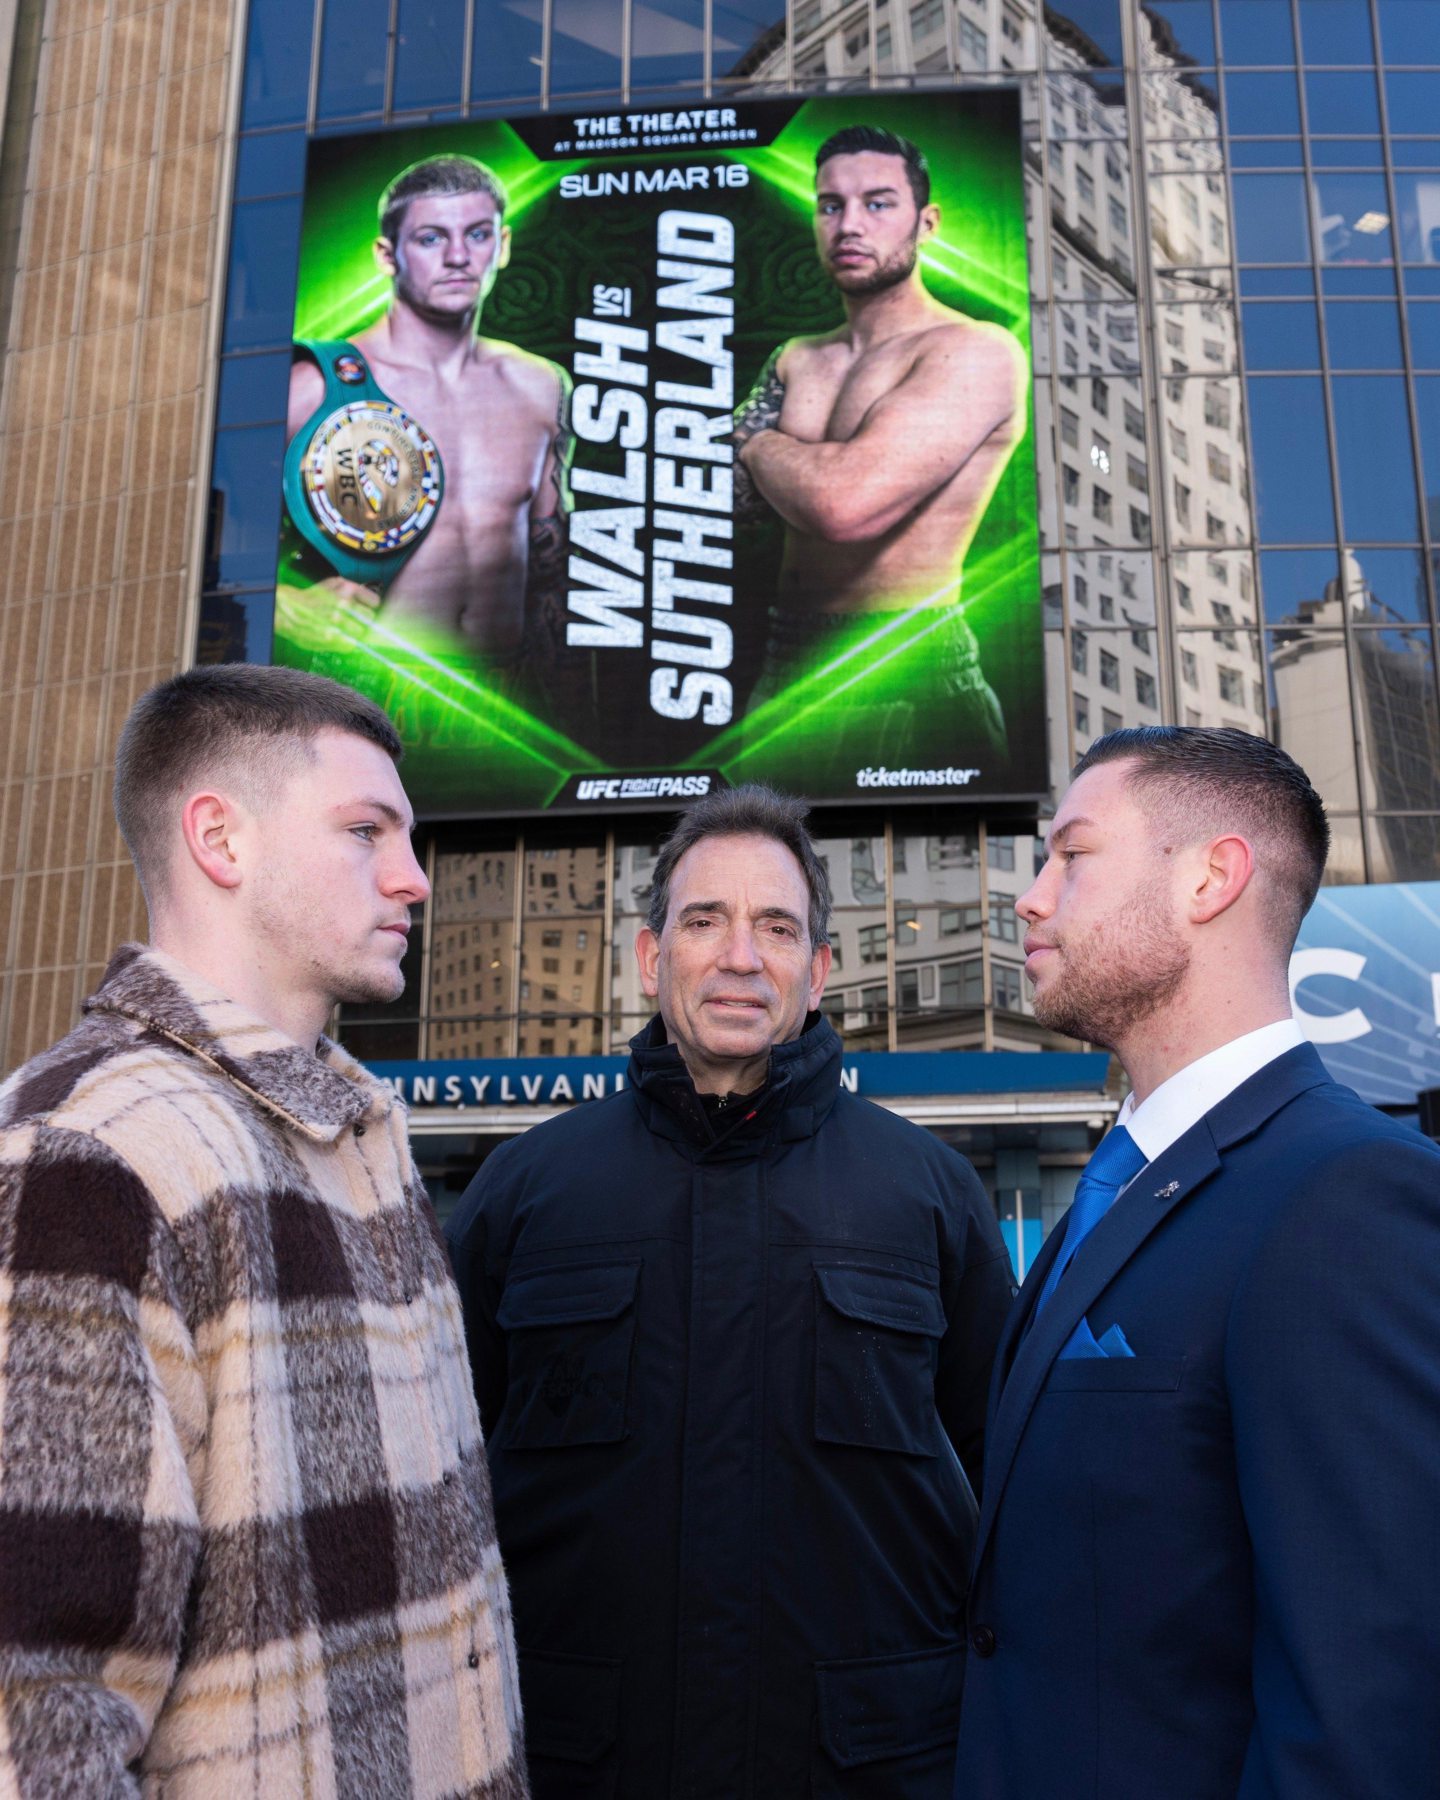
x=898 y=778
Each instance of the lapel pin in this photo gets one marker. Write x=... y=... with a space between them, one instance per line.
x=1170 y=1187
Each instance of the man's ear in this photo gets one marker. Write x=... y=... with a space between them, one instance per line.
x=819 y=973
x=502 y=260
x=385 y=255
x=208 y=824
x=1226 y=868
x=929 y=219
x=647 y=954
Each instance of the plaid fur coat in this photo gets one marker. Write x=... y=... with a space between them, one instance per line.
x=246 y=1537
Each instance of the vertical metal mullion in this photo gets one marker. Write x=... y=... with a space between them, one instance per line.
x=987 y=1009
x=627 y=47
x=707 y=47
x=517 y=933
x=392 y=39
x=607 y=947
x=547 y=38
x=427 y=948
x=467 y=58
x=317 y=36
x=892 y=1027
x=1332 y=445
x=1157 y=454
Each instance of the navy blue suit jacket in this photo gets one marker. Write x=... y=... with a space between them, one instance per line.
x=1212 y=1569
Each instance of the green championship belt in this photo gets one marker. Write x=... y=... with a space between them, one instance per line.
x=363 y=481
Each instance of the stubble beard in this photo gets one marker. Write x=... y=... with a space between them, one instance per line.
x=1131 y=969
x=885 y=275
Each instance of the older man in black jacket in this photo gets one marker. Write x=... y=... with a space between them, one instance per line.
x=733 y=1330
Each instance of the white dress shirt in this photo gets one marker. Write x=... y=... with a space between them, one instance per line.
x=1188 y=1095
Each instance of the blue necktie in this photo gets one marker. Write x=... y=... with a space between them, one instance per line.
x=1118 y=1159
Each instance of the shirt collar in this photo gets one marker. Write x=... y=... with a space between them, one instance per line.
x=1177 y=1104
x=318 y=1092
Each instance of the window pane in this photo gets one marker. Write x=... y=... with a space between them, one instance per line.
x=1310 y=692
x=1256 y=31
x=1266 y=153
x=236 y=627
x=1181 y=29
x=254 y=388
x=472 y=954
x=277 y=62
x=1294 y=583
x=565 y=878
x=1403 y=849
x=1346 y=153
x=430 y=53
x=1220 y=681
x=1292 y=474
x=245 y=505
x=1399 y=725
x=1418 y=198
x=1362 y=334
x=1385 y=585
x=1220 y=586
x=1098 y=19
x=270 y=162
x=1352 y=218
x=1342 y=101
x=585 y=46
x=1270 y=222
x=667 y=43
x=1281 y=335
x=264 y=255
x=1423 y=318
x=1410 y=103
x=1409 y=33
x=1262 y=105
x=1377 y=480
x=353 y=44
x=1336 y=31
x=746 y=33
x=505 y=64
x=1427 y=407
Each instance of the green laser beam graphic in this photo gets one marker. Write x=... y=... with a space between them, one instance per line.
x=499 y=718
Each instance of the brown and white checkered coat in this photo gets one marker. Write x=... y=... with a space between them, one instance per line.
x=246 y=1538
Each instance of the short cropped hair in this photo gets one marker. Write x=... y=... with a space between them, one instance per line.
x=749 y=811
x=855 y=138
x=437 y=175
x=1196 y=781
x=252 y=722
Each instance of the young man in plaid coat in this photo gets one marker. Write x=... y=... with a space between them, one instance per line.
x=246 y=1536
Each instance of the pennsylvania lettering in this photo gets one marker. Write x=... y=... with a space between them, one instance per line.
x=650 y=539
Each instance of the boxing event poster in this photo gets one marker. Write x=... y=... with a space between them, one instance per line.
x=555 y=573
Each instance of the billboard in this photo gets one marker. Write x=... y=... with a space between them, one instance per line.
x=632 y=453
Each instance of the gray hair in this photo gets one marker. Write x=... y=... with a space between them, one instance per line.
x=749 y=811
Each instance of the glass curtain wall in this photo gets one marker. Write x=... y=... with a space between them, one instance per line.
x=1234 y=211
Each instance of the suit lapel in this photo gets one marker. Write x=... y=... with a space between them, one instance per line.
x=1156 y=1192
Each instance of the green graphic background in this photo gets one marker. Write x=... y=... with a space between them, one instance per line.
x=472 y=749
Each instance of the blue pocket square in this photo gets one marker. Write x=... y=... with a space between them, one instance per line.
x=1083 y=1342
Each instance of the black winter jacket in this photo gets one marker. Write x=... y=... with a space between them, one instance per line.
x=721 y=1368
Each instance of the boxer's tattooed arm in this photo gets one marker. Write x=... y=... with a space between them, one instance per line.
x=545 y=581
x=758 y=411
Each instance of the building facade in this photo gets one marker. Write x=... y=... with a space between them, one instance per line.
x=1233 y=211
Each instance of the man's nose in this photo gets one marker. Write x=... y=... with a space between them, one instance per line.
x=1036 y=902
x=740 y=951
x=407 y=880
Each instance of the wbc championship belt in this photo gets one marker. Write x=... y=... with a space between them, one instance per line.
x=363 y=480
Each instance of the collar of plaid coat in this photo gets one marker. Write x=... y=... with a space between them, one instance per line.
x=320 y=1094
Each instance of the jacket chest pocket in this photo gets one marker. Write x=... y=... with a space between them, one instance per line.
x=876 y=1338
x=570 y=1333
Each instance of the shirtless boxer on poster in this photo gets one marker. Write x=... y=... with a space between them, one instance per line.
x=880 y=444
x=488 y=568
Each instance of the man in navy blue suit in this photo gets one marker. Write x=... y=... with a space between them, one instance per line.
x=1208 y=1558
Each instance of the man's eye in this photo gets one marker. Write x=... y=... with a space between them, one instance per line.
x=366 y=833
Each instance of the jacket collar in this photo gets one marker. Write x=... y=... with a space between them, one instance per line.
x=800 y=1090
x=319 y=1093
x=1024 y=1358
